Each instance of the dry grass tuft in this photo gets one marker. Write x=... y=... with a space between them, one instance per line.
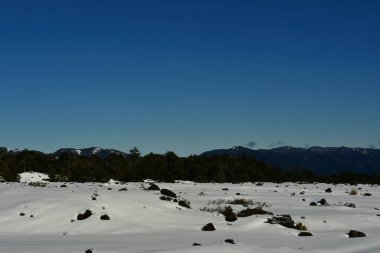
x=354 y=191
x=301 y=226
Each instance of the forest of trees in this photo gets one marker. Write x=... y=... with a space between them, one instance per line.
x=168 y=167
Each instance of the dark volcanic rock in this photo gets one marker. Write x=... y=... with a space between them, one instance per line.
x=322 y=202
x=166 y=198
x=208 y=227
x=196 y=244
x=248 y=212
x=153 y=187
x=283 y=220
x=105 y=217
x=304 y=233
x=168 y=193
x=85 y=215
x=229 y=214
x=184 y=203
x=313 y=203
x=231 y=241
x=328 y=190
x=367 y=194
x=354 y=233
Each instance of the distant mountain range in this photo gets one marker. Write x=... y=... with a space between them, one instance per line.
x=87 y=152
x=319 y=160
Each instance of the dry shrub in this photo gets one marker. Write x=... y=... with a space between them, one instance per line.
x=301 y=226
x=240 y=201
x=354 y=191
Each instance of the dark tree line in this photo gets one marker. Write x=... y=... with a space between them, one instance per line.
x=167 y=167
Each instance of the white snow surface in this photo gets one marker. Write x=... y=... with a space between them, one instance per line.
x=27 y=177
x=141 y=222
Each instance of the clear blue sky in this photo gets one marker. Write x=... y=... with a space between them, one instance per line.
x=189 y=76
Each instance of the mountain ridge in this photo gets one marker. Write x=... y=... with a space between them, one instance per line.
x=319 y=160
x=87 y=152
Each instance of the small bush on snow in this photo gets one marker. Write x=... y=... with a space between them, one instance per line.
x=301 y=226
x=354 y=191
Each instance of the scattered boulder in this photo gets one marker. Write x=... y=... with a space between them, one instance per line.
x=166 y=198
x=63 y=185
x=168 y=193
x=229 y=214
x=259 y=184
x=304 y=233
x=323 y=202
x=328 y=190
x=252 y=211
x=153 y=187
x=105 y=217
x=123 y=189
x=88 y=251
x=224 y=189
x=313 y=204
x=22 y=214
x=85 y=215
x=354 y=233
x=196 y=244
x=283 y=220
x=231 y=241
x=184 y=203
x=208 y=227
x=367 y=194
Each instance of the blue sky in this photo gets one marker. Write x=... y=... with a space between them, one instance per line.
x=189 y=76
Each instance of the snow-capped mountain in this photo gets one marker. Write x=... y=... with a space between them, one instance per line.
x=87 y=152
x=6 y=149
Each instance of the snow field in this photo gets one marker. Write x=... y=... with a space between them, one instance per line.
x=141 y=222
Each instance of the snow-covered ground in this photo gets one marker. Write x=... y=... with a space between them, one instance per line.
x=44 y=219
x=28 y=177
